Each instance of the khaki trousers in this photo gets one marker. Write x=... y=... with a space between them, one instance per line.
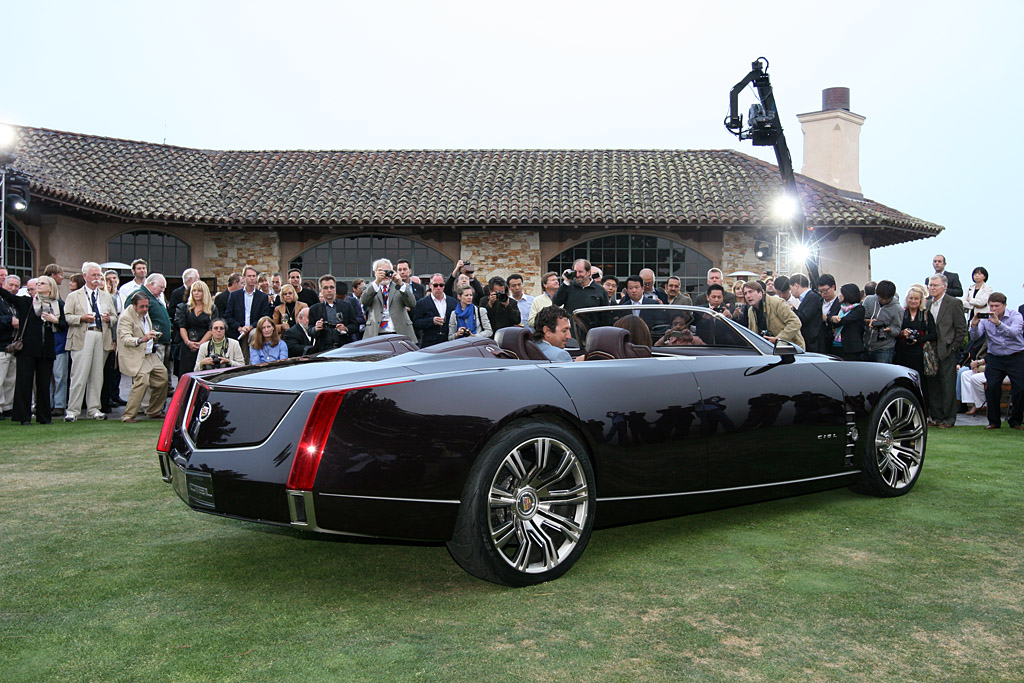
x=152 y=376
x=87 y=374
x=8 y=371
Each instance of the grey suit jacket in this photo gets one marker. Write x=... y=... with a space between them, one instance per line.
x=951 y=326
x=399 y=305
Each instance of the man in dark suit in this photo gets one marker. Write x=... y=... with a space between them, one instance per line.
x=431 y=313
x=808 y=310
x=298 y=337
x=245 y=308
x=636 y=296
x=715 y=277
x=332 y=321
x=221 y=300
x=953 y=286
x=306 y=296
x=951 y=327
x=829 y=307
x=404 y=269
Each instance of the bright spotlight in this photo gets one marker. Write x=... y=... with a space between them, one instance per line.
x=801 y=253
x=785 y=207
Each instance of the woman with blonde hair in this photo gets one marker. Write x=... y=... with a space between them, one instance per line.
x=287 y=314
x=266 y=343
x=194 y=319
x=40 y=317
x=918 y=328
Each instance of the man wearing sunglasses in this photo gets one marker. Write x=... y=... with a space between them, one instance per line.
x=431 y=313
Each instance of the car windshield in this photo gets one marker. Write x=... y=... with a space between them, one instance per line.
x=669 y=328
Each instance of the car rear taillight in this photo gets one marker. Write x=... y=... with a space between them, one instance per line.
x=163 y=444
x=314 y=436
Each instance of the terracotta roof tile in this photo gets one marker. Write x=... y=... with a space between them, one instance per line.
x=145 y=181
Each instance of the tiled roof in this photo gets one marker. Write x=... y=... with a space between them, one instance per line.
x=141 y=181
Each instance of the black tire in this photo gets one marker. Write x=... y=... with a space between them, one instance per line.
x=892 y=451
x=528 y=506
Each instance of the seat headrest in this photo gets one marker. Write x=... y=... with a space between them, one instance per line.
x=519 y=341
x=605 y=343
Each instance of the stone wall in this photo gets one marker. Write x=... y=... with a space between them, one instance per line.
x=738 y=253
x=228 y=252
x=503 y=252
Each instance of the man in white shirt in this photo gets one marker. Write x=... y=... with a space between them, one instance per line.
x=523 y=300
x=140 y=269
x=90 y=312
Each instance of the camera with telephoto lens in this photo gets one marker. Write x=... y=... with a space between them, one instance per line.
x=502 y=296
x=879 y=325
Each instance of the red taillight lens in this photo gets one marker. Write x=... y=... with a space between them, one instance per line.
x=314 y=438
x=163 y=444
x=315 y=433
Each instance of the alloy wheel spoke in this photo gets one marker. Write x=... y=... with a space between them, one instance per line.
x=577 y=494
x=543 y=542
x=501 y=498
x=501 y=536
x=563 y=525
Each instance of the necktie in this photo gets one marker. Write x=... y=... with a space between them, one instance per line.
x=96 y=312
x=383 y=320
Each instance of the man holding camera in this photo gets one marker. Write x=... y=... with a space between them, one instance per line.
x=1004 y=330
x=387 y=300
x=884 y=322
x=138 y=358
x=220 y=351
x=578 y=289
x=501 y=309
x=332 y=322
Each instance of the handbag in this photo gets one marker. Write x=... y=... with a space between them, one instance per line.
x=16 y=346
x=931 y=359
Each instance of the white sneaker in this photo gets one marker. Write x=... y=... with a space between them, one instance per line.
x=98 y=416
x=70 y=418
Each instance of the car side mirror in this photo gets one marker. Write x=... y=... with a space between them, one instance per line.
x=784 y=348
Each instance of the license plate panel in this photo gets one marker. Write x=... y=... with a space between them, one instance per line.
x=199 y=488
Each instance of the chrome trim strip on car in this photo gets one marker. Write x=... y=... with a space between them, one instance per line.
x=734 y=488
x=400 y=500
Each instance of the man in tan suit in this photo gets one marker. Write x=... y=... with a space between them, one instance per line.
x=91 y=315
x=387 y=301
x=137 y=357
x=952 y=328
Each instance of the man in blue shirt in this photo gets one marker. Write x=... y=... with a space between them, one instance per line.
x=1005 y=333
x=553 y=332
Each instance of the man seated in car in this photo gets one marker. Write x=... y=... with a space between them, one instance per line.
x=552 y=333
x=770 y=316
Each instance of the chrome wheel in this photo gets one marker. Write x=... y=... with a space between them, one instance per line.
x=899 y=442
x=538 y=504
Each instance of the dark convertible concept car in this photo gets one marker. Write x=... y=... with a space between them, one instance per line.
x=512 y=459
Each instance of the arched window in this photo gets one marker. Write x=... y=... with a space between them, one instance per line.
x=349 y=257
x=18 y=253
x=625 y=255
x=163 y=253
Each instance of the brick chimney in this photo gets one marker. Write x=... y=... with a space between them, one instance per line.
x=832 y=141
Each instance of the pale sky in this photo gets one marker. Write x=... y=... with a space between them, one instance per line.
x=942 y=140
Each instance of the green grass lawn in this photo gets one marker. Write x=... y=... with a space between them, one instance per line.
x=106 y=575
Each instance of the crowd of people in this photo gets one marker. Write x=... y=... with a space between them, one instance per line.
x=74 y=351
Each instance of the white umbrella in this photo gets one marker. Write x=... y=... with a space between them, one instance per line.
x=743 y=274
x=116 y=265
